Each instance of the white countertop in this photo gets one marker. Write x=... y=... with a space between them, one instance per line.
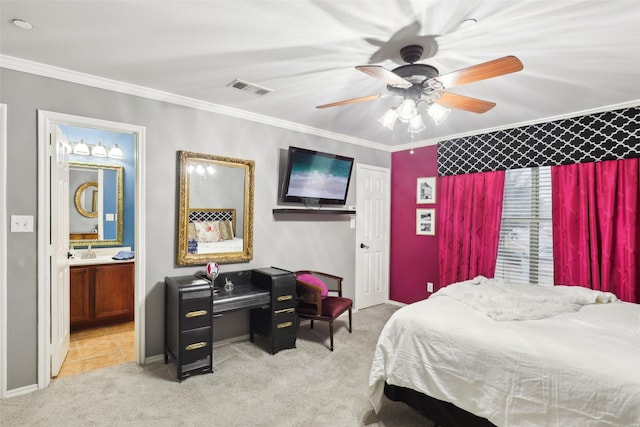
x=103 y=256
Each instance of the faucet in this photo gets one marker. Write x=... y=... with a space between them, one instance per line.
x=89 y=253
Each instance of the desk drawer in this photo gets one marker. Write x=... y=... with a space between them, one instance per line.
x=196 y=344
x=284 y=323
x=196 y=313
x=284 y=301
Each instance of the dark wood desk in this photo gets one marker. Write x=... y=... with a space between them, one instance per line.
x=191 y=304
x=243 y=296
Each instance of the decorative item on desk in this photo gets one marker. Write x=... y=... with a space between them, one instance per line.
x=228 y=284
x=213 y=269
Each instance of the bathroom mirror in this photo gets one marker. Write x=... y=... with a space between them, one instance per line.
x=96 y=210
x=86 y=199
x=215 y=216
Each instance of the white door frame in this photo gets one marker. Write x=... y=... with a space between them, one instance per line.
x=359 y=231
x=47 y=119
x=3 y=250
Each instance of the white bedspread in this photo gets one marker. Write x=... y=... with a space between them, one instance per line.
x=233 y=245
x=578 y=368
x=502 y=300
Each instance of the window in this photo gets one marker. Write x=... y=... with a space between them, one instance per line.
x=525 y=252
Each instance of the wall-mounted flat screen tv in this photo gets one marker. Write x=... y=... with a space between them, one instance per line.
x=314 y=177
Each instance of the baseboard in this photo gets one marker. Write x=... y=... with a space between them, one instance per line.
x=231 y=340
x=154 y=359
x=400 y=304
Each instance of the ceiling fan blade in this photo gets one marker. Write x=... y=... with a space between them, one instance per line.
x=486 y=70
x=383 y=74
x=351 y=101
x=461 y=102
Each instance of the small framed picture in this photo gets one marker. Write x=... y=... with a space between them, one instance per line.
x=426 y=190
x=426 y=222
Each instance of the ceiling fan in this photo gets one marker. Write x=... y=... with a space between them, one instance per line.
x=421 y=82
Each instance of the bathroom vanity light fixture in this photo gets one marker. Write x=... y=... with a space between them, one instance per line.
x=81 y=148
x=98 y=150
x=115 y=152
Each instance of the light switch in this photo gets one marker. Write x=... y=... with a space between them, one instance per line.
x=22 y=223
x=352 y=223
x=110 y=217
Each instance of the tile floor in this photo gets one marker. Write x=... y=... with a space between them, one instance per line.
x=97 y=348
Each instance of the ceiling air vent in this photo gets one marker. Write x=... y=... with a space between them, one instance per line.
x=249 y=87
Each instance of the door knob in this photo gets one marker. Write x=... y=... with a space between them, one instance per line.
x=363 y=246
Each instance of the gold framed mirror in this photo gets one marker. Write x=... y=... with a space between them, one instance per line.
x=96 y=215
x=86 y=199
x=215 y=214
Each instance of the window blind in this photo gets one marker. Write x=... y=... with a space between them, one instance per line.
x=525 y=252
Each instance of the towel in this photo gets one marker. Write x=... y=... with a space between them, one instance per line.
x=122 y=255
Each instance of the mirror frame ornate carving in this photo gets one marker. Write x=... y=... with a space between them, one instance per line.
x=120 y=206
x=183 y=257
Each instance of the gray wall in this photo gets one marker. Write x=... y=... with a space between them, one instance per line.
x=291 y=242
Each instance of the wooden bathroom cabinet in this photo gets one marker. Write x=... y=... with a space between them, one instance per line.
x=101 y=294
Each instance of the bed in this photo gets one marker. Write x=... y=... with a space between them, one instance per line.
x=513 y=355
x=212 y=230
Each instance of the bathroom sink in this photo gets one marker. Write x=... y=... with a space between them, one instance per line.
x=103 y=256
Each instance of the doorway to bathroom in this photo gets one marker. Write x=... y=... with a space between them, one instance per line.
x=91 y=305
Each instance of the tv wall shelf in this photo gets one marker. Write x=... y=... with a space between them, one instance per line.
x=314 y=211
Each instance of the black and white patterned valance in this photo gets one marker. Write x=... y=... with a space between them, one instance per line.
x=211 y=215
x=610 y=135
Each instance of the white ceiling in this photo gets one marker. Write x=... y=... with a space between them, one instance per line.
x=578 y=55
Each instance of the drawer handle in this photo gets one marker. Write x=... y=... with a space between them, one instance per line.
x=284 y=325
x=285 y=310
x=196 y=346
x=196 y=313
x=285 y=297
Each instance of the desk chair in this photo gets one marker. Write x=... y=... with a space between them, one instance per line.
x=314 y=301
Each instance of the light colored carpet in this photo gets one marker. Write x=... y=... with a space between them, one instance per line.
x=306 y=386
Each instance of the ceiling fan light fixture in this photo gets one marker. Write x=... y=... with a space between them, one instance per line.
x=407 y=110
x=389 y=118
x=416 y=124
x=438 y=113
x=200 y=170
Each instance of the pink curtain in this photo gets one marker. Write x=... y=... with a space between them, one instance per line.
x=596 y=227
x=469 y=216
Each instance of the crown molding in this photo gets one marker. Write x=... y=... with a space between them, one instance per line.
x=44 y=70
x=37 y=68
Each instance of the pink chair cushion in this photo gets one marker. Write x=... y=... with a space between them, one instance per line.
x=313 y=280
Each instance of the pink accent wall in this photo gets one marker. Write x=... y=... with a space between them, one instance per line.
x=414 y=259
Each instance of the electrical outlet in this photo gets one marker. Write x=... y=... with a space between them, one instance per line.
x=429 y=286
